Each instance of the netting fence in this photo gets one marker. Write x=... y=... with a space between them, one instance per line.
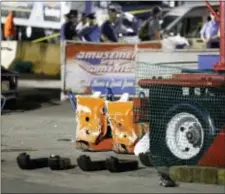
x=163 y=70
x=152 y=71
x=185 y=110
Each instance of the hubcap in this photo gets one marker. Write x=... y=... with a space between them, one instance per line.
x=184 y=136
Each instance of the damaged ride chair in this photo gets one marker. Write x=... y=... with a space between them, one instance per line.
x=141 y=116
x=92 y=128
x=125 y=132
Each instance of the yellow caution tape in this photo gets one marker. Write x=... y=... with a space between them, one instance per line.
x=140 y=11
x=46 y=37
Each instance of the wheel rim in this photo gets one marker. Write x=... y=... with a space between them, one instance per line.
x=184 y=136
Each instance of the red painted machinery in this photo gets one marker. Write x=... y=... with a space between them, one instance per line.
x=187 y=114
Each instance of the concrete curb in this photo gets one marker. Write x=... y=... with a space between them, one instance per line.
x=221 y=176
x=198 y=174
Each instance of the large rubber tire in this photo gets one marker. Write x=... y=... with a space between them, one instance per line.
x=178 y=118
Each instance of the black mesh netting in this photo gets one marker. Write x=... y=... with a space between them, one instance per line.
x=185 y=110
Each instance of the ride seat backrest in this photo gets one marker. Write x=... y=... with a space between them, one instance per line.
x=90 y=118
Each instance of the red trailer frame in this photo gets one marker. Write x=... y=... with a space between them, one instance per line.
x=162 y=104
x=221 y=18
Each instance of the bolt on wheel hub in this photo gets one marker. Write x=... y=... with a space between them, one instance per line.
x=194 y=135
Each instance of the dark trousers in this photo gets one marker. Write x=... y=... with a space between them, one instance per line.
x=213 y=45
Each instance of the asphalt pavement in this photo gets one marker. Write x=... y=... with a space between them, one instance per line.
x=40 y=125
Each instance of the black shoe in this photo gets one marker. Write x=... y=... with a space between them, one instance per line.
x=166 y=181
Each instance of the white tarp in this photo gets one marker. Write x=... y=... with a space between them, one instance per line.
x=143 y=145
x=8 y=52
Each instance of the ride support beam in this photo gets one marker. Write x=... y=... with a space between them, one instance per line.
x=221 y=18
x=221 y=65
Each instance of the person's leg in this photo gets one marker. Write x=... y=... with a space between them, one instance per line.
x=163 y=171
x=165 y=179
